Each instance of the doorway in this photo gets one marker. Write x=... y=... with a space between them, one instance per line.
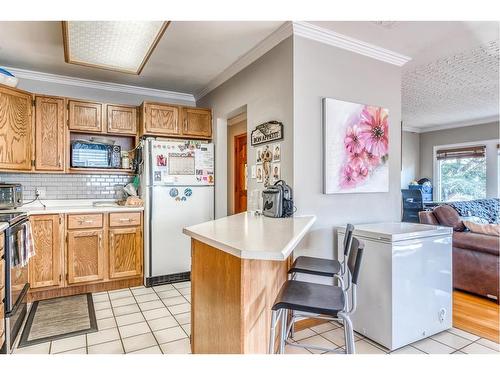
x=237 y=164
x=240 y=173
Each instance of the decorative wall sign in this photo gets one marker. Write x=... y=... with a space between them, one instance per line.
x=356 y=147
x=267 y=132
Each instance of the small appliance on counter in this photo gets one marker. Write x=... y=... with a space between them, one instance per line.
x=11 y=196
x=278 y=200
x=93 y=154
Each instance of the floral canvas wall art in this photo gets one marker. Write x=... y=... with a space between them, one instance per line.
x=356 y=147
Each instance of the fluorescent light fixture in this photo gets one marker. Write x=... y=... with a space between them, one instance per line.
x=123 y=46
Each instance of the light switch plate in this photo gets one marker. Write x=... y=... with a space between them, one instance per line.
x=254 y=171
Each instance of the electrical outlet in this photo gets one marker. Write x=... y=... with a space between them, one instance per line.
x=40 y=192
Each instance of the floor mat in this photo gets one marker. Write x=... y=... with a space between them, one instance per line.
x=58 y=318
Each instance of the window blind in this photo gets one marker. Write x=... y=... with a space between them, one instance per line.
x=462 y=152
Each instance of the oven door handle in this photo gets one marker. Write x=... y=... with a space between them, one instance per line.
x=8 y=314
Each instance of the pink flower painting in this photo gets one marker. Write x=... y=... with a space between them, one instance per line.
x=356 y=147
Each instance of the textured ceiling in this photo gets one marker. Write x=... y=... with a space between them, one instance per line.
x=454 y=89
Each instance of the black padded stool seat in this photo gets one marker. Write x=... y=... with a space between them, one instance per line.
x=309 y=297
x=316 y=266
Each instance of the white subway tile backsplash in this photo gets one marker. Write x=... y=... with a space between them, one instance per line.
x=60 y=186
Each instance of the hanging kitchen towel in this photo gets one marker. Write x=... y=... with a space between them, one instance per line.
x=30 y=244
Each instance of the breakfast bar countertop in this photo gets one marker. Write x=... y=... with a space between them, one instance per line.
x=251 y=236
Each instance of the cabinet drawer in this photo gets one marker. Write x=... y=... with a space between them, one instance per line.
x=84 y=221
x=124 y=219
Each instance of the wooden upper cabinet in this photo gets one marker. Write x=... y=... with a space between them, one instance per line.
x=45 y=268
x=85 y=256
x=196 y=122
x=16 y=129
x=49 y=133
x=160 y=119
x=121 y=119
x=125 y=252
x=85 y=116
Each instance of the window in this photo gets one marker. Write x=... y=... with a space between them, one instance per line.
x=462 y=173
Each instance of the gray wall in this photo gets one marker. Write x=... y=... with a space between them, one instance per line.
x=410 y=169
x=325 y=71
x=473 y=133
x=266 y=88
x=78 y=92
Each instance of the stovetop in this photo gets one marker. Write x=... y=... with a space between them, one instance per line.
x=12 y=218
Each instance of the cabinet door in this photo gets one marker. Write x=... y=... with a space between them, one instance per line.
x=121 y=119
x=15 y=129
x=85 y=116
x=161 y=119
x=197 y=122
x=49 y=133
x=45 y=268
x=125 y=252
x=85 y=256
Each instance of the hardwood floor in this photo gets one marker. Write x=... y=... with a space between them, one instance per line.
x=476 y=315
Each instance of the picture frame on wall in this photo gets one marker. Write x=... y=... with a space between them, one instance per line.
x=355 y=147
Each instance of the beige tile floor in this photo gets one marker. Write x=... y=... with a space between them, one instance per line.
x=157 y=320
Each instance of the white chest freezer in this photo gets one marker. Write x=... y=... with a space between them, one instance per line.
x=404 y=289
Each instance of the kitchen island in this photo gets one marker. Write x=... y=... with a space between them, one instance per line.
x=239 y=263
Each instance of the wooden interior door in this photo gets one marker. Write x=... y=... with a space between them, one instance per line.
x=15 y=129
x=45 y=268
x=125 y=252
x=240 y=173
x=85 y=256
x=49 y=133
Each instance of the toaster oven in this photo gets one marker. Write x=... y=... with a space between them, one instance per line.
x=11 y=196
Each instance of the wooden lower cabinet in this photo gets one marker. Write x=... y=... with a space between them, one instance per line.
x=85 y=256
x=125 y=252
x=45 y=268
x=2 y=291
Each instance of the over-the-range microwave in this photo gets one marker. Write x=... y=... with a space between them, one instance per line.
x=87 y=154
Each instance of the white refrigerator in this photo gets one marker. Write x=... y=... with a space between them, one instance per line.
x=177 y=186
x=404 y=289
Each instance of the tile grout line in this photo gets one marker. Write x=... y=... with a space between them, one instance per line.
x=180 y=325
x=151 y=331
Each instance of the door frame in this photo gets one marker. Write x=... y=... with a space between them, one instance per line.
x=237 y=142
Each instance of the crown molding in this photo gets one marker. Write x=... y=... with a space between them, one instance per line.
x=453 y=125
x=100 y=85
x=309 y=31
x=280 y=34
x=332 y=38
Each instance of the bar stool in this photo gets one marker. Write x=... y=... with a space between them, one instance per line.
x=321 y=266
x=329 y=302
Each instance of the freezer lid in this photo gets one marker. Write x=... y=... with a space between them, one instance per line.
x=396 y=231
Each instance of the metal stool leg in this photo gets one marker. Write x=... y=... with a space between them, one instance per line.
x=284 y=316
x=273 y=332
x=349 y=335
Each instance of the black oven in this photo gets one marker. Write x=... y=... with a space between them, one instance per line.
x=16 y=276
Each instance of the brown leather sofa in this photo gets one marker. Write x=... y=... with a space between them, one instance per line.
x=475 y=256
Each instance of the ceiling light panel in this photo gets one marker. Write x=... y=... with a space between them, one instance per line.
x=116 y=45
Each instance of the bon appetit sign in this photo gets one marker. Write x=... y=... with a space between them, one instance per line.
x=267 y=132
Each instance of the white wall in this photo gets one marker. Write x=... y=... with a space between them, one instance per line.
x=325 y=71
x=265 y=87
x=410 y=169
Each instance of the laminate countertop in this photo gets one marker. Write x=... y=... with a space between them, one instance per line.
x=77 y=206
x=3 y=226
x=251 y=236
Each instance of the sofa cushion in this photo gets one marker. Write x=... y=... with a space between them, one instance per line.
x=427 y=217
x=448 y=217
x=477 y=242
x=488 y=229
